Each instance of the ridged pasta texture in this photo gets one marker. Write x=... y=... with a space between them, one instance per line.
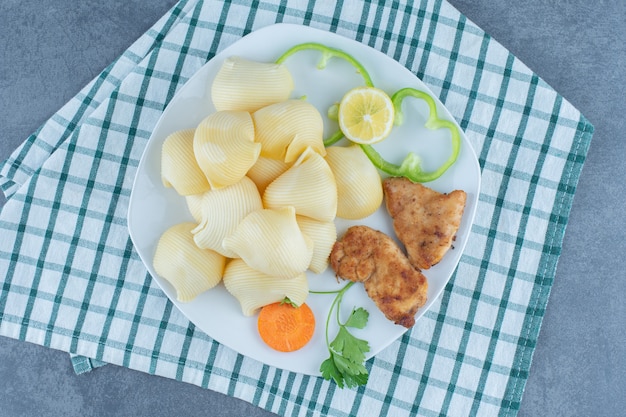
x=222 y=212
x=323 y=235
x=309 y=186
x=287 y=128
x=359 y=186
x=190 y=269
x=179 y=168
x=194 y=204
x=266 y=170
x=224 y=147
x=245 y=85
x=270 y=241
x=254 y=289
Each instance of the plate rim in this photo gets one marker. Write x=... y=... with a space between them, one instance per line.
x=469 y=214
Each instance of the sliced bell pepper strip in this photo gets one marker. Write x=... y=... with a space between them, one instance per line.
x=410 y=167
x=327 y=53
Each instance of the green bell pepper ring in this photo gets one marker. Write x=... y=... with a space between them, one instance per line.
x=328 y=53
x=410 y=167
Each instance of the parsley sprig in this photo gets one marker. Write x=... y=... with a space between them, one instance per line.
x=346 y=364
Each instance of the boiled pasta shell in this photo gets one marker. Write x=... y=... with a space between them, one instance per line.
x=190 y=269
x=224 y=147
x=179 y=168
x=309 y=186
x=359 y=186
x=287 y=128
x=222 y=211
x=245 y=85
x=254 y=289
x=266 y=170
x=323 y=235
x=270 y=241
x=194 y=204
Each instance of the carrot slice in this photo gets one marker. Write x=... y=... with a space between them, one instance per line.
x=284 y=327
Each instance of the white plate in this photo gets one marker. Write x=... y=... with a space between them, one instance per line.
x=154 y=208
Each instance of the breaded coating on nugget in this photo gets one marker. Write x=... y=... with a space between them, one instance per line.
x=424 y=220
x=370 y=256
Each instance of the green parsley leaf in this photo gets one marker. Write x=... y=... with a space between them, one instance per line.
x=353 y=381
x=347 y=367
x=358 y=318
x=286 y=300
x=330 y=371
x=346 y=364
x=349 y=346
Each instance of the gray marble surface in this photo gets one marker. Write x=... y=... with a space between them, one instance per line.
x=49 y=50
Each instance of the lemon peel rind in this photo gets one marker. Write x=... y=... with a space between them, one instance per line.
x=374 y=97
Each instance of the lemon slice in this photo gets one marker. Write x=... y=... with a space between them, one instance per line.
x=366 y=115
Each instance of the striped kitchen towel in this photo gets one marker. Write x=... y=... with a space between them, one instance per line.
x=71 y=279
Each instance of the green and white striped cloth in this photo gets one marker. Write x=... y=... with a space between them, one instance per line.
x=71 y=279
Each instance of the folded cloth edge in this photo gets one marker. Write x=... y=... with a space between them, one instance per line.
x=14 y=171
x=83 y=364
x=531 y=329
x=13 y=165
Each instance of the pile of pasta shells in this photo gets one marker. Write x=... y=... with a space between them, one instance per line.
x=263 y=190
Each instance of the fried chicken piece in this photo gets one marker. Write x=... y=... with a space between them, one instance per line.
x=424 y=220
x=370 y=256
